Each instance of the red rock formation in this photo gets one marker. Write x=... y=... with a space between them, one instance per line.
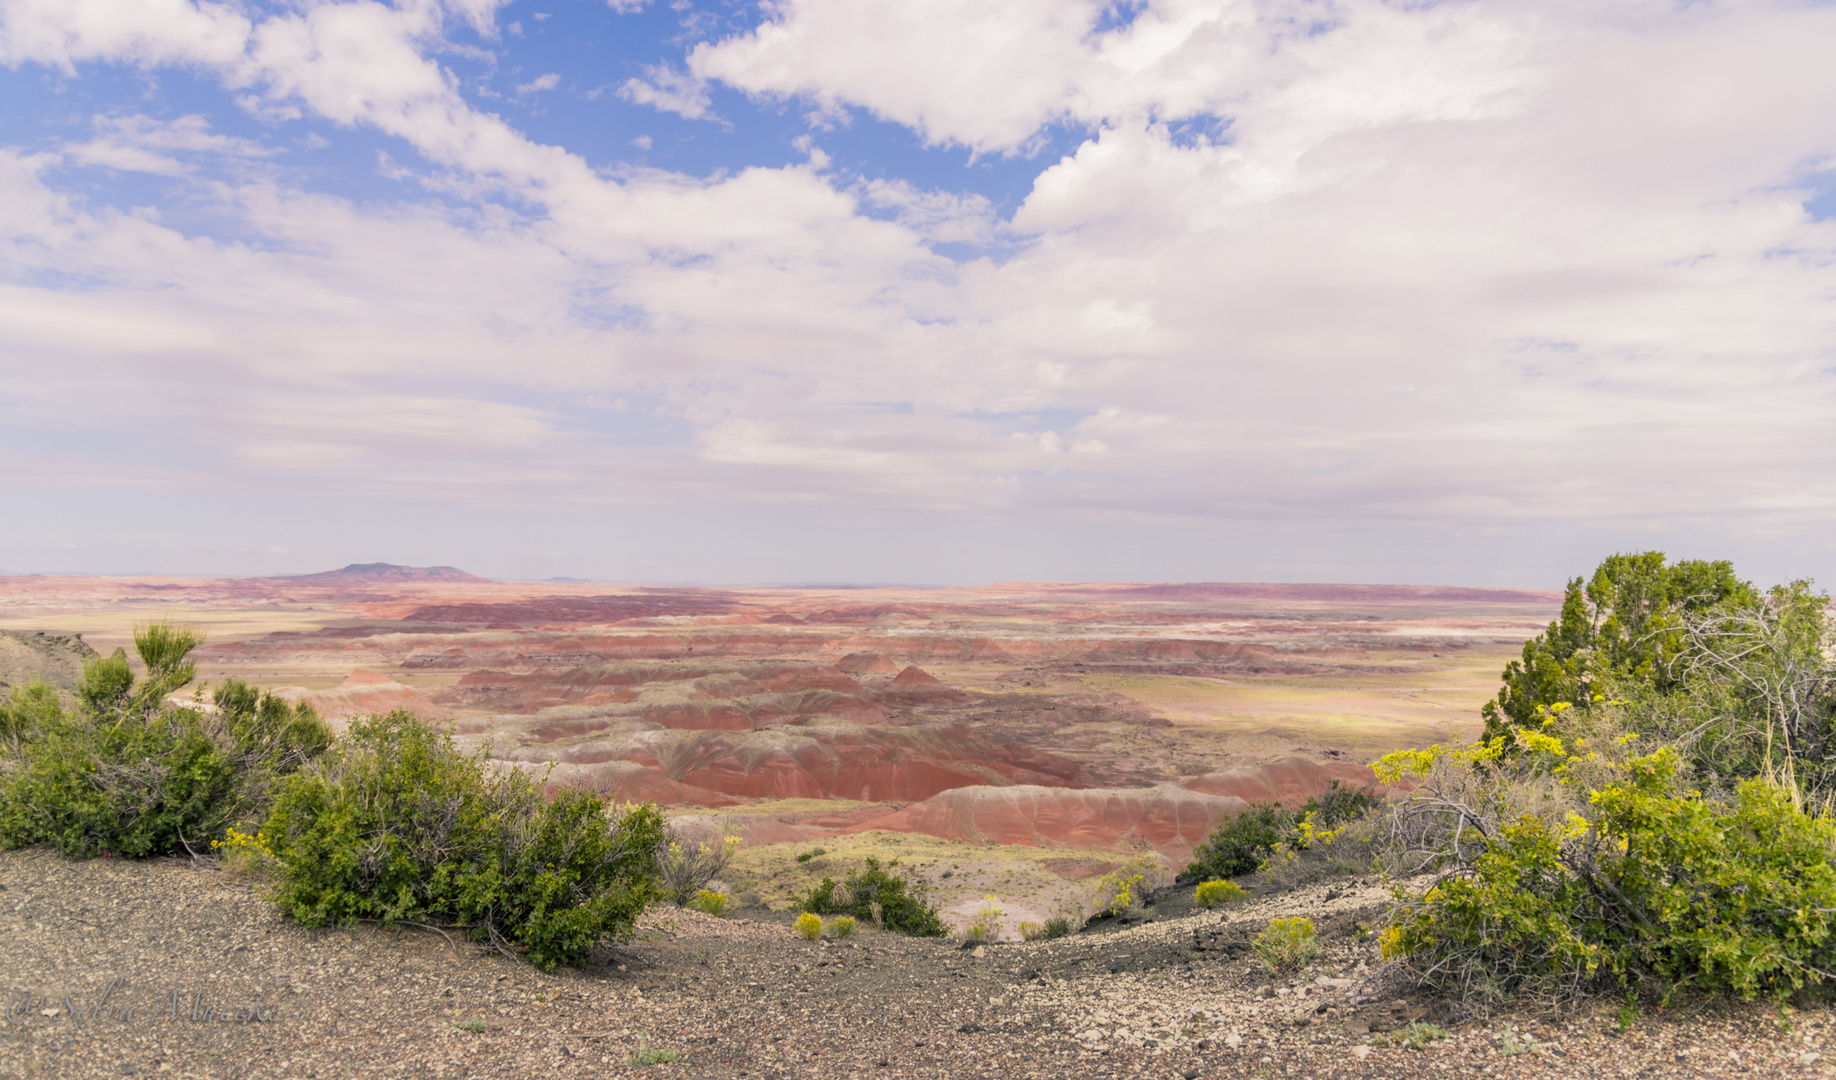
x=622 y=780
x=817 y=761
x=915 y=676
x=1289 y=781
x=865 y=663
x=1170 y=818
x=365 y=692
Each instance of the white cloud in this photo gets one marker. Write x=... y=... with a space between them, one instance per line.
x=668 y=90
x=935 y=215
x=540 y=82
x=146 y=32
x=1488 y=264
x=135 y=143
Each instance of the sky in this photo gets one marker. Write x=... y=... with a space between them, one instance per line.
x=936 y=292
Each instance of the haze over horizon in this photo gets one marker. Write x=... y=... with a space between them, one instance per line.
x=944 y=293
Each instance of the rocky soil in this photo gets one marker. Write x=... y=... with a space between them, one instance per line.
x=55 y=658
x=116 y=969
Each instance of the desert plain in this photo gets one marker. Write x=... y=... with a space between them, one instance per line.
x=1012 y=740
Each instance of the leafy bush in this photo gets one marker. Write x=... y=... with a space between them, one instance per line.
x=1651 y=887
x=806 y=856
x=397 y=825
x=988 y=921
x=129 y=773
x=808 y=926
x=30 y=707
x=686 y=867
x=1265 y=830
x=1030 y=931
x=1219 y=892
x=708 y=902
x=129 y=785
x=842 y=926
x=878 y=894
x=1127 y=886
x=1286 y=944
x=1057 y=927
x=1240 y=845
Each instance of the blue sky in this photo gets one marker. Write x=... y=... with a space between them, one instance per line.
x=934 y=292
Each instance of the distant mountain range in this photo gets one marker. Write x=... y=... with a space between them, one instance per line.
x=388 y=572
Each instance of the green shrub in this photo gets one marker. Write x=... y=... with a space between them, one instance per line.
x=686 y=867
x=808 y=926
x=130 y=774
x=1286 y=944
x=708 y=902
x=877 y=894
x=1652 y=887
x=1240 y=845
x=1265 y=830
x=811 y=854
x=1127 y=886
x=1057 y=927
x=842 y=926
x=31 y=707
x=1219 y=892
x=822 y=899
x=397 y=825
x=281 y=735
x=988 y=921
x=129 y=785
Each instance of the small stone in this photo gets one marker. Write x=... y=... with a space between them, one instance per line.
x=1360 y=1052
x=1190 y=1074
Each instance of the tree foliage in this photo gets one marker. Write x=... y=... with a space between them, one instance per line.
x=1622 y=627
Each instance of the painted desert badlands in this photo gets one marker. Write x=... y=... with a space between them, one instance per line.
x=1012 y=740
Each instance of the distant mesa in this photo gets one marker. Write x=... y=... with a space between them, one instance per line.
x=392 y=574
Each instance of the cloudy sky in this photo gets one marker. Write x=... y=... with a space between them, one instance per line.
x=935 y=291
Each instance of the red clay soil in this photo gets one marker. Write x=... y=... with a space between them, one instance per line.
x=865 y=663
x=1289 y=781
x=1171 y=819
x=366 y=692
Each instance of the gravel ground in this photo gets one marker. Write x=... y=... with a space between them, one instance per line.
x=209 y=981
